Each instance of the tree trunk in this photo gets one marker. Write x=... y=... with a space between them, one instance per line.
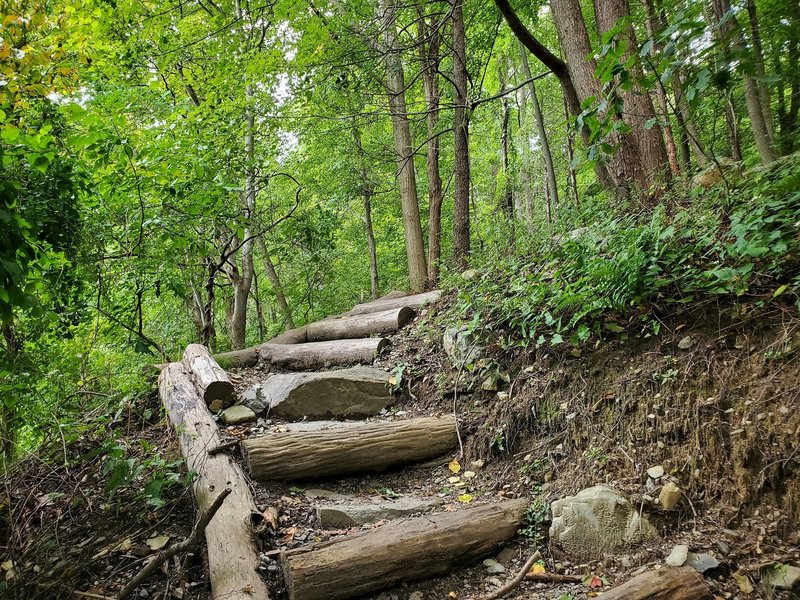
x=507 y=195
x=731 y=33
x=366 y=193
x=395 y=86
x=550 y=172
x=758 y=54
x=429 y=43
x=211 y=381
x=651 y=155
x=409 y=549
x=461 y=242
x=415 y=302
x=319 y=355
x=231 y=548
x=788 y=114
x=349 y=327
x=669 y=583
x=275 y=284
x=346 y=448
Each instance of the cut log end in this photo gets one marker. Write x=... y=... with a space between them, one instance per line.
x=211 y=380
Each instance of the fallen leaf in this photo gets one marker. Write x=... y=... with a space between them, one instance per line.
x=288 y=536
x=454 y=466
x=593 y=581
x=454 y=479
x=469 y=474
x=538 y=568
x=452 y=595
x=157 y=542
x=744 y=583
x=465 y=498
x=270 y=515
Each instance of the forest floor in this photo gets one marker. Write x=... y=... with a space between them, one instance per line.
x=713 y=400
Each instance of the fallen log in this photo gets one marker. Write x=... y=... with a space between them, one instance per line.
x=211 y=381
x=415 y=301
x=360 y=326
x=238 y=359
x=232 y=552
x=669 y=583
x=348 y=448
x=401 y=551
x=318 y=355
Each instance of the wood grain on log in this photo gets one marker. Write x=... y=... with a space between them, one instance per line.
x=348 y=448
x=232 y=552
x=401 y=551
x=416 y=301
x=211 y=381
x=317 y=355
x=360 y=326
x=669 y=583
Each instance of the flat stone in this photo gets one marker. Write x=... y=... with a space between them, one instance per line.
x=253 y=398
x=493 y=567
x=507 y=555
x=460 y=346
x=340 y=516
x=342 y=394
x=780 y=575
x=701 y=562
x=233 y=415
x=670 y=496
x=597 y=521
x=315 y=494
x=655 y=472
x=678 y=556
x=686 y=343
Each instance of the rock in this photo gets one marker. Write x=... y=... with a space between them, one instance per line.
x=678 y=556
x=491 y=383
x=780 y=575
x=470 y=275
x=341 y=516
x=416 y=596
x=233 y=415
x=701 y=562
x=493 y=567
x=670 y=496
x=495 y=581
x=686 y=343
x=625 y=562
x=507 y=555
x=656 y=472
x=723 y=547
x=342 y=394
x=597 y=521
x=314 y=494
x=460 y=346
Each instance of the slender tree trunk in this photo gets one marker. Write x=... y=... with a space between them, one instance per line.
x=209 y=334
x=366 y=194
x=395 y=86
x=733 y=129
x=731 y=33
x=686 y=120
x=788 y=113
x=429 y=44
x=758 y=54
x=550 y=172
x=275 y=284
x=461 y=241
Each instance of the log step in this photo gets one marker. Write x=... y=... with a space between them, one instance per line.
x=348 y=448
x=344 y=394
x=319 y=355
x=415 y=301
x=401 y=551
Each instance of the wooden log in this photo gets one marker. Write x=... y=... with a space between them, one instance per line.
x=211 y=381
x=360 y=326
x=232 y=552
x=238 y=359
x=318 y=355
x=401 y=551
x=415 y=301
x=348 y=448
x=669 y=583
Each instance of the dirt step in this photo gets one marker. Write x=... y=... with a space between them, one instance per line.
x=344 y=394
x=347 y=448
x=404 y=550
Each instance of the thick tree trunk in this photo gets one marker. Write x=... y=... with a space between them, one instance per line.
x=319 y=355
x=788 y=112
x=415 y=302
x=211 y=381
x=731 y=33
x=404 y=550
x=758 y=55
x=348 y=448
x=275 y=284
x=231 y=548
x=550 y=172
x=429 y=43
x=461 y=233
x=396 y=89
x=669 y=583
x=348 y=327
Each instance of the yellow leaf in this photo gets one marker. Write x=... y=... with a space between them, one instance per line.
x=452 y=595
x=392 y=380
x=465 y=498
x=454 y=479
x=538 y=568
x=454 y=466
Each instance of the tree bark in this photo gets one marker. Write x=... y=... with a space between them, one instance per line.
x=395 y=86
x=359 y=326
x=758 y=55
x=348 y=448
x=275 y=283
x=507 y=197
x=232 y=552
x=404 y=550
x=318 y=355
x=731 y=33
x=550 y=172
x=366 y=194
x=211 y=381
x=415 y=302
x=669 y=583
x=461 y=233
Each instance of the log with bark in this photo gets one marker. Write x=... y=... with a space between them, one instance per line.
x=318 y=355
x=403 y=550
x=669 y=583
x=415 y=301
x=360 y=326
x=348 y=448
x=232 y=552
x=211 y=381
